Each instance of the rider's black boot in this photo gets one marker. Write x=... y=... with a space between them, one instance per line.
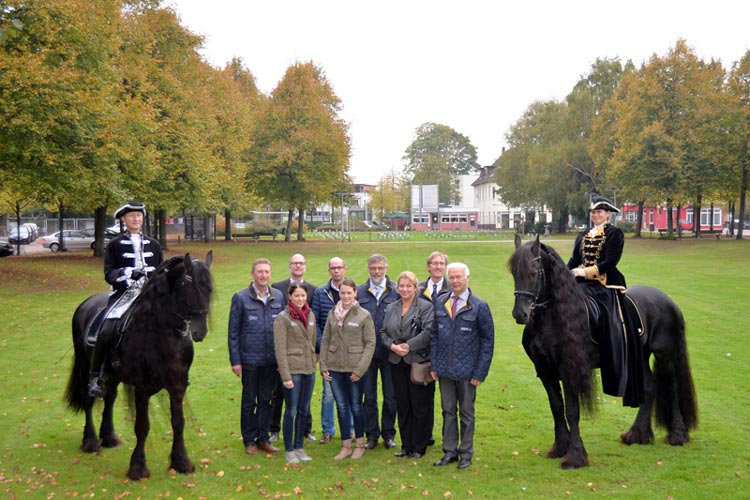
x=96 y=382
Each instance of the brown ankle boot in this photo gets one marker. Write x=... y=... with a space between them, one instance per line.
x=345 y=451
x=359 y=448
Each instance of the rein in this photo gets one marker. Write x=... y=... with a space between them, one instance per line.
x=541 y=282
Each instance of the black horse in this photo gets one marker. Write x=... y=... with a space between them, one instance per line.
x=556 y=337
x=155 y=353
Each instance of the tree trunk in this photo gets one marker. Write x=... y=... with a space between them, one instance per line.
x=227 y=225
x=697 y=214
x=301 y=225
x=639 y=219
x=670 y=219
x=289 y=223
x=206 y=228
x=60 y=218
x=100 y=221
x=18 y=228
x=743 y=194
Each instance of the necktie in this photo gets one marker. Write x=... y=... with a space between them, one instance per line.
x=454 y=307
x=434 y=291
x=377 y=291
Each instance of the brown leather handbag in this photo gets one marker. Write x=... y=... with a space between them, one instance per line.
x=420 y=373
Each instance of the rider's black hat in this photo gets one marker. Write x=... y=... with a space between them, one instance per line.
x=131 y=206
x=602 y=203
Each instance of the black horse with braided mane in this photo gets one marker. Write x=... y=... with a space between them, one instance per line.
x=155 y=352
x=556 y=337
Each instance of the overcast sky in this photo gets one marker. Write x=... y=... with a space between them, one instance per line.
x=474 y=66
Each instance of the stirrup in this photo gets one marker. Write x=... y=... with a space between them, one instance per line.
x=96 y=387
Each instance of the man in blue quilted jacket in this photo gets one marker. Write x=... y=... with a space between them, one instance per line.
x=461 y=346
x=252 y=355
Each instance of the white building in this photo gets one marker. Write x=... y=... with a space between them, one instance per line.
x=493 y=213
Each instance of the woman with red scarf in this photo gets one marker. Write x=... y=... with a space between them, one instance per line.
x=294 y=337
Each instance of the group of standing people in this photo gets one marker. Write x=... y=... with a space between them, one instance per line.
x=280 y=334
x=353 y=333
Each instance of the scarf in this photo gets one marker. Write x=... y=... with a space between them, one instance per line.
x=299 y=314
x=340 y=312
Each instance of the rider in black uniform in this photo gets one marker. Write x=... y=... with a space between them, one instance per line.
x=129 y=259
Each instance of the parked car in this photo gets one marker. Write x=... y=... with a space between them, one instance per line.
x=20 y=235
x=73 y=240
x=6 y=249
x=109 y=234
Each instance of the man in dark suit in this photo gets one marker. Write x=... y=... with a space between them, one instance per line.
x=297 y=268
x=436 y=283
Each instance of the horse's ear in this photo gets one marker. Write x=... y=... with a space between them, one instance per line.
x=188 y=263
x=518 y=240
x=535 y=247
x=209 y=258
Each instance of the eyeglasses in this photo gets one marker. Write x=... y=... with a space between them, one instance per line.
x=377 y=268
x=437 y=264
x=336 y=268
x=299 y=263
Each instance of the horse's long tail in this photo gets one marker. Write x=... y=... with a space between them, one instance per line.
x=674 y=381
x=77 y=383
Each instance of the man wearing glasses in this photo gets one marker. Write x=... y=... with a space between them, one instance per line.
x=297 y=268
x=324 y=299
x=374 y=295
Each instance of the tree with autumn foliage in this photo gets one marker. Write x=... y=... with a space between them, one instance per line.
x=392 y=194
x=438 y=155
x=300 y=154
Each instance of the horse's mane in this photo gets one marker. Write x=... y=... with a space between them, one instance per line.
x=160 y=305
x=568 y=308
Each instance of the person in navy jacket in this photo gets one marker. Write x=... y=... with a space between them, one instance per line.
x=461 y=347
x=374 y=295
x=252 y=355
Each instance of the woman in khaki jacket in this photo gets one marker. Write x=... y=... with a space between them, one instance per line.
x=345 y=354
x=294 y=338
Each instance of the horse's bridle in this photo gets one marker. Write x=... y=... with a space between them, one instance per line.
x=540 y=284
x=187 y=317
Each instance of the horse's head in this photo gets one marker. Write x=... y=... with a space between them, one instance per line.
x=527 y=267
x=192 y=286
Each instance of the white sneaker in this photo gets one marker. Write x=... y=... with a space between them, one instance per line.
x=274 y=437
x=302 y=455
x=291 y=457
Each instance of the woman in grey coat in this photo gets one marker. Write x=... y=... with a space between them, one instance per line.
x=406 y=333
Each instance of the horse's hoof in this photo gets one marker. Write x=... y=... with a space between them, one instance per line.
x=556 y=452
x=570 y=462
x=634 y=436
x=183 y=468
x=138 y=473
x=111 y=441
x=678 y=438
x=90 y=445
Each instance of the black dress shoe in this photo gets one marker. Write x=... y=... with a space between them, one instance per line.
x=402 y=453
x=389 y=443
x=415 y=455
x=446 y=460
x=372 y=443
x=464 y=463
x=431 y=442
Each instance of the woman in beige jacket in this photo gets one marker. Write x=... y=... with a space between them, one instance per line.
x=345 y=354
x=294 y=344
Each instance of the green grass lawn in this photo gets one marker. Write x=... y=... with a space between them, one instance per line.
x=40 y=457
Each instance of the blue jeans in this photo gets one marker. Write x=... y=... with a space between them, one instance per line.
x=297 y=402
x=326 y=410
x=255 y=413
x=348 y=396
